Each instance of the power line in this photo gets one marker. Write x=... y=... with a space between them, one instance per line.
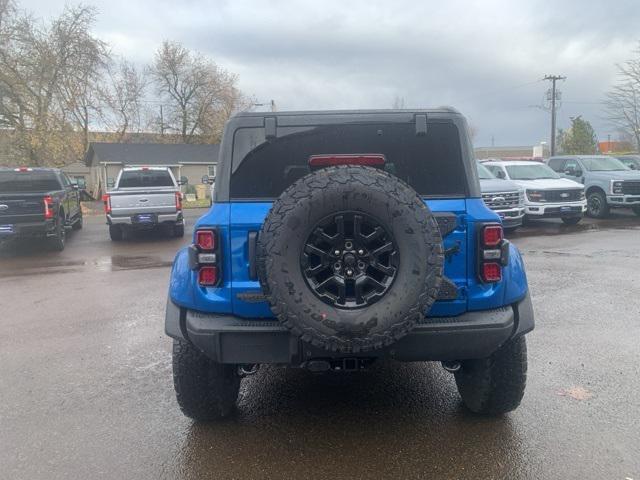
x=553 y=79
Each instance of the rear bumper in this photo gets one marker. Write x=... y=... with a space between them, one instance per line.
x=229 y=339
x=158 y=219
x=34 y=229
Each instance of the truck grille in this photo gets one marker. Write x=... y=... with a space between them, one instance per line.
x=562 y=195
x=631 y=188
x=502 y=200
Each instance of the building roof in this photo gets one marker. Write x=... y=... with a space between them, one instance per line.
x=161 y=154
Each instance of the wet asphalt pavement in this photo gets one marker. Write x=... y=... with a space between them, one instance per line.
x=86 y=388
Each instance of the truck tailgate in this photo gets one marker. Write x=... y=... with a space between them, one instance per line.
x=21 y=208
x=125 y=203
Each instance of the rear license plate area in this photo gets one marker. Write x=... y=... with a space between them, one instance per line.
x=144 y=218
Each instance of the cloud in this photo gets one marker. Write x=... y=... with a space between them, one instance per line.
x=483 y=57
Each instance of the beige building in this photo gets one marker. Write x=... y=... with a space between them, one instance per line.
x=103 y=162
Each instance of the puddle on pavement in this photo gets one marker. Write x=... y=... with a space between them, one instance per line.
x=128 y=262
x=104 y=264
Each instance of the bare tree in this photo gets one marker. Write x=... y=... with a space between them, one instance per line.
x=125 y=99
x=198 y=94
x=622 y=103
x=47 y=75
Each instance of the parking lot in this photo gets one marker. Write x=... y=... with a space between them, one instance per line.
x=85 y=376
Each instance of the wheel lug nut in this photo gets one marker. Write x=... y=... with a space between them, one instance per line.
x=349 y=272
x=361 y=265
x=361 y=252
x=348 y=246
x=336 y=252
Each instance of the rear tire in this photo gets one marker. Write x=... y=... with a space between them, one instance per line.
x=79 y=223
x=116 y=233
x=205 y=390
x=597 y=206
x=58 y=241
x=495 y=385
x=571 y=220
x=178 y=230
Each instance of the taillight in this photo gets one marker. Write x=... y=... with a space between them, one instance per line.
x=178 y=201
x=370 y=159
x=492 y=235
x=208 y=276
x=106 y=198
x=206 y=239
x=205 y=257
x=491 y=272
x=48 y=207
x=493 y=252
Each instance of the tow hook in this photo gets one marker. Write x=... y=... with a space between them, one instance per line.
x=248 y=369
x=451 y=366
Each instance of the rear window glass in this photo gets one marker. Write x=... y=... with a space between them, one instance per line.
x=28 y=182
x=145 y=178
x=431 y=164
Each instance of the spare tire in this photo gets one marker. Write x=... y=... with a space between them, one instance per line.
x=350 y=258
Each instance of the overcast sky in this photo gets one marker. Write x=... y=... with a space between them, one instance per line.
x=486 y=58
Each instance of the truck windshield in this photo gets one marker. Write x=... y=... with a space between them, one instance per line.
x=484 y=173
x=145 y=178
x=28 y=182
x=432 y=164
x=530 y=172
x=603 y=164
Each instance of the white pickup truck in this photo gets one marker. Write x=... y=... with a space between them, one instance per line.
x=144 y=198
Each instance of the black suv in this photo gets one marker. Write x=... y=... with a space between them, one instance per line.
x=38 y=202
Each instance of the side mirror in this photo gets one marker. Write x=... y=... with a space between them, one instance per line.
x=633 y=166
x=570 y=171
x=578 y=173
x=110 y=183
x=500 y=174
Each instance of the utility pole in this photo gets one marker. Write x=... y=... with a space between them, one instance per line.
x=554 y=79
x=161 y=122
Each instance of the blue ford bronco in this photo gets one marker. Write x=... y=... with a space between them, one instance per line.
x=338 y=238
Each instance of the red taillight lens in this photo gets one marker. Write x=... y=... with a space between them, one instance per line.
x=208 y=276
x=48 y=207
x=491 y=272
x=492 y=235
x=206 y=239
x=106 y=198
x=372 y=160
x=178 y=201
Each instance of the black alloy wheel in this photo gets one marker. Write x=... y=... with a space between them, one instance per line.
x=349 y=260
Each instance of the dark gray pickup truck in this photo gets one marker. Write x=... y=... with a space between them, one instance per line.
x=38 y=202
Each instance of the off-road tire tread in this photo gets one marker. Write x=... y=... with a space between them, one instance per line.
x=366 y=177
x=495 y=385
x=205 y=390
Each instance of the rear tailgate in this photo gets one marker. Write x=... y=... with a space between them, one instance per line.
x=21 y=208
x=126 y=203
x=248 y=217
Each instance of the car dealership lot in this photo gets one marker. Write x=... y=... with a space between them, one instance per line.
x=85 y=376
